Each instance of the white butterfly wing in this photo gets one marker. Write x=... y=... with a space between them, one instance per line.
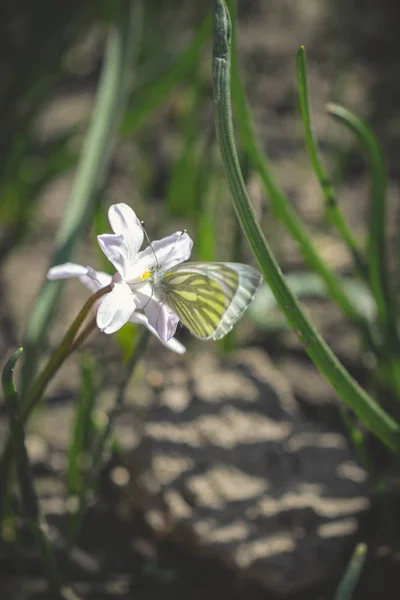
x=210 y=298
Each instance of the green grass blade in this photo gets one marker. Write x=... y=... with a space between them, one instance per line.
x=310 y=139
x=71 y=340
x=103 y=439
x=333 y=210
x=208 y=187
x=11 y=401
x=206 y=229
x=156 y=93
x=92 y=169
x=29 y=500
x=352 y=574
x=376 y=252
x=181 y=195
x=81 y=434
x=347 y=388
x=279 y=202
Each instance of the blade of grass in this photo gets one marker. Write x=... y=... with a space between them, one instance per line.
x=352 y=574
x=182 y=189
x=92 y=169
x=347 y=388
x=332 y=207
x=157 y=93
x=70 y=341
x=358 y=439
x=102 y=440
x=28 y=495
x=207 y=189
x=206 y=226
x=279 y=202
x=376 y=251
x=81 y=433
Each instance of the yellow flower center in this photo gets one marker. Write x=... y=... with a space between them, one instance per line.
x=145 y=275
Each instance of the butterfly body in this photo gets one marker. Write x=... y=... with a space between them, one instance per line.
x=209 y=298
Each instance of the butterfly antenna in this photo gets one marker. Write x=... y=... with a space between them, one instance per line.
x=159 y=314
x=173 y=247
x=155 y=257
x=149 y=242
x=152 y=292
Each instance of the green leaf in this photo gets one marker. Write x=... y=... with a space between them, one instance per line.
x=333 y=211
x=280 y=204
x=29 y=499
x=183 y=190
x=367 y=409
x=376 y=252
x=82 y=428
x=352 y=574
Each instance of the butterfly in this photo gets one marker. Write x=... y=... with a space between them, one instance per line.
x=208 y=298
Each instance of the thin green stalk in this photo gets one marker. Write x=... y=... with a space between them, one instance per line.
x=352 y=575
x=28 y=495
x=357 y=438
x=346 y=387
x=98 y=450
x=279 y=203
x=183 y=179
x=376 y=252
x=65 y=348
x=90 y=176
x=68 y=343
x=130 y=367
x=82 y=431
x=81 y=337
x=332 y=207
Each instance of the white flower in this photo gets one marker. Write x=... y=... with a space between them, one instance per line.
x=133 y=281
x=132 y=288
x=95 y=280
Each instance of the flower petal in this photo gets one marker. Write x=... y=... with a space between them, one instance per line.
x=95 y=280
x=172 y=250
x=124 y=222
x=116 y=250
x=172 y=344
x=143 y=293
x=162 y=318
x=165 y=253
x=116 y=308
x=66 y=271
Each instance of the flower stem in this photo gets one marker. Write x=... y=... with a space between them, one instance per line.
x=347 y=388
x=69 y=343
